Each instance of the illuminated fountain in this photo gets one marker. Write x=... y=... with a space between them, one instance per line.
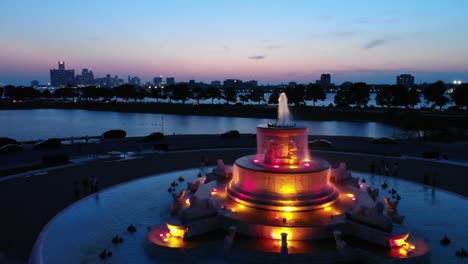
x=282 y=193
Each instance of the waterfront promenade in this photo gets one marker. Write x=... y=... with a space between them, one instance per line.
x=30 y=199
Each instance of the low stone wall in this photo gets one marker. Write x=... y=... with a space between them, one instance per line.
x=448 y=175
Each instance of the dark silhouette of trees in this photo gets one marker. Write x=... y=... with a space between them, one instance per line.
x=295 y=94
x=435 y=93
x=212 y=93
x=244 y=98
x=342 y=98
x=181 y=92
x=230 y=94
x=257 y=95
x=384 y=97
x=157 y=93
x=460 y=96
x=314 y=93
x=1 y=92
x=274 y=97
x=20 y=92
x=125 y=91
x=66 y=92
x=46 y=94
x=141 y=94
x=397 y=95
x=359 y=94
x=198 y=94
x=90 y=91
x=9 y=91
x=105 y=93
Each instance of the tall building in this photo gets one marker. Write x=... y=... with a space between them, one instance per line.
x=325 y=79
x=170 y=81
x=237 y=84
x=406 y=80
x=86 y=77
x=157 y=81
x=61 y=77
x=134 y=80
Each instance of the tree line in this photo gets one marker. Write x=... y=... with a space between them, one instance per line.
x=354 y=95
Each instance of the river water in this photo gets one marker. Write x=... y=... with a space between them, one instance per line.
x=47 y=123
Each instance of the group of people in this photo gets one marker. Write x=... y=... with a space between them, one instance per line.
x=88 y=185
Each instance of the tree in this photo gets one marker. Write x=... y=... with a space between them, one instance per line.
x=213 y=92
x=384 y=96
x=359 y=94
x=104 y=93
x=257 y=95
x=274 y=97
x=414 y=97
x=181 y=92
x=66 y=92
x=342 y=98
x=89 y=92
x=314 y=93
x=435 y=93
x=460 y=96
x=125 y=91
x=244 y=98
x=198 y=94
x=296 y=94
x=230 y=94
x=46 y=93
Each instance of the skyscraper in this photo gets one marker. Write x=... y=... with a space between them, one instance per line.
x=157 y=81
x=61 y=77
x=406 y=80
x=325 y=79
x=170 y=81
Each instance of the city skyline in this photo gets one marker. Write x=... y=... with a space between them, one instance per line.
x=269 y=42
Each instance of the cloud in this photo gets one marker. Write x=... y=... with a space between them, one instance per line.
x=257 y=57
x=270 y=47
x=374 y=43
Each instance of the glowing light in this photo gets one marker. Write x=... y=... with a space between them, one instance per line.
x=398 y=241
x=288 y=209
x=176 y=231
x=354 y=199
x=307 y=164
x=276 y=233
x=293 y=167
x=255 y=160
x=187 y=201
x=350 y=195
x=276 y=166
x=328 y=208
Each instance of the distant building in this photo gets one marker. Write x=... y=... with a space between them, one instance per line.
x=134 y=80
x=157 y=81
x=61 y=77
x=325 y=79
x=34 y=83
x=406 y=80
x=109 y=82
x=170 y=80
x=215 y=83
x=237 y=84
x=86 y=77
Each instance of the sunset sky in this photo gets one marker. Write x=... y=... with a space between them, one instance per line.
x=269 y=41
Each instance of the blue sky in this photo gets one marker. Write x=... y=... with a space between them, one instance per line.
x=270 y=41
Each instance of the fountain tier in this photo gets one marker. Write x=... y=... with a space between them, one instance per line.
x=281 y=177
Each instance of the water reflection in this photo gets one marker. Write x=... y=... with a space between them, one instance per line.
x=46 y=123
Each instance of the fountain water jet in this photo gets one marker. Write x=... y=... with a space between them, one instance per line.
x=284 y=117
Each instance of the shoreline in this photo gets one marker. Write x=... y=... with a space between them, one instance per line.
x=397 y=117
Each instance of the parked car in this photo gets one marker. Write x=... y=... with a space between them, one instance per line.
x=319 y=143
x=10 y=148
x=384 y=140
